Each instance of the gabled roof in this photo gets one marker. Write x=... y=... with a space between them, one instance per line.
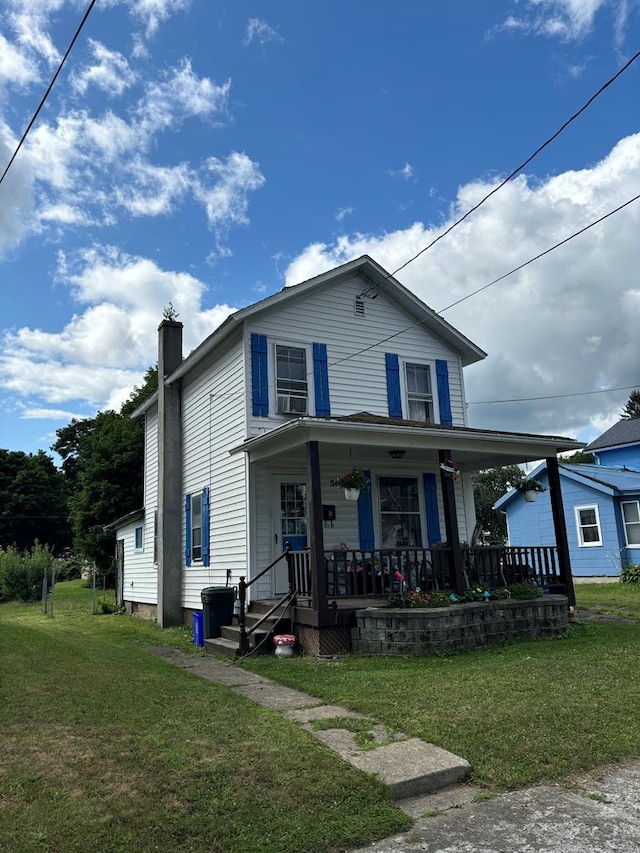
x=624 y=432
x=374 y=276
x=612 y=481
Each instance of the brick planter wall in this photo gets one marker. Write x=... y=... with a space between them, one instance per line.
x=431 y=631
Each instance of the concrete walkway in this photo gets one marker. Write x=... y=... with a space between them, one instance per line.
x=594 y=813
x=410 y=767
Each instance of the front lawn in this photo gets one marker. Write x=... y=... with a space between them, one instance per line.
x=519 y=713
x=107 y=748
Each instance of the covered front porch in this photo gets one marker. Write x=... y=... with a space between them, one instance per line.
x=413 y=528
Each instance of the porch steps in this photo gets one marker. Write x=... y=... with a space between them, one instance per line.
x=228 y=644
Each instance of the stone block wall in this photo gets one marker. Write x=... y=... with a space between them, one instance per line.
x=432 y=631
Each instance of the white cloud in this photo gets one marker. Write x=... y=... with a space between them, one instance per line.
x=111 y=72
x=30 y=413
x=224 y=185
x=16 y=67
x=564 y=324
x=405 y=172
x=260 y=31
x=152 y=13
x=104 y=350
x=16 y=195
x=569 y=20
x=342 y=212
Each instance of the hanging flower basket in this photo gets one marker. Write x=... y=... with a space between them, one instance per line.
x=529 y=489
x=353 y=482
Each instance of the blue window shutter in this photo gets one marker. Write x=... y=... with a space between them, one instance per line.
x=321 y=381
x=431 y=506
x=365 y=518
x=205 y=526
x=187 y=530
x=444 y=399
x=392 y=363
x=259 y=377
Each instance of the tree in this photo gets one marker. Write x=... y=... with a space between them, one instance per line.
x=632 y=407
x=103 y=460
x=488 y=486
x=33 y=501
x=578 y=458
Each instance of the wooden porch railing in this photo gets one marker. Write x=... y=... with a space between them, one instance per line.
x=379 y=572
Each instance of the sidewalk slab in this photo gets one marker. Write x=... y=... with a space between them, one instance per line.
x=276 y=696
x=208 y=667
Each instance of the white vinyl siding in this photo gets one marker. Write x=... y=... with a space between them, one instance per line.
x=357 y=378
x=214 y=409
x=140 y=577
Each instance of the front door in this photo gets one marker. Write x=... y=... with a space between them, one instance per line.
x=290 y=526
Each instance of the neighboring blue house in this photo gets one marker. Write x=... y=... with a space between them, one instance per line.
x=601 y=505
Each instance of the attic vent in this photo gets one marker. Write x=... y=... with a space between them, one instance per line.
x=358 y=307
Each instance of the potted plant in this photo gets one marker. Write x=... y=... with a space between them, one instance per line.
x=529 y=489
x=353 y=482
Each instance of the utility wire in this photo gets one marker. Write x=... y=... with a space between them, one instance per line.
x=49 y=88
x=551 y=396
x=542 y=254
x=522 y=165
x=490 y=284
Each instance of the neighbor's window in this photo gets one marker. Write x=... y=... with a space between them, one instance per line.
x=291 y=379
x=400 y=512
x=588 y=525
x=155 y=537
x=631 y=517
x=196 y=526
x=419 y=393
x=138 y=538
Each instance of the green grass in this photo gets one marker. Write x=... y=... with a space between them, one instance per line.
x=617 y=599
x=107 y=748
x=519 y=713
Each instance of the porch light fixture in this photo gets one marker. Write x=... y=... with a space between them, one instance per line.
x=397 y=454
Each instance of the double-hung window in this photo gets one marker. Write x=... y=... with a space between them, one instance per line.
x=292 y=386
x=400 y=512
x=196 y=526
x=588 y=526
x=196 y=534
x=419 y=392
x=631 y=518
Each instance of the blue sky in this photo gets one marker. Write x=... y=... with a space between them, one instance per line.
x=207 y=153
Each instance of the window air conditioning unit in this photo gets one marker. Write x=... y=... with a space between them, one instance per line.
x=288 y=405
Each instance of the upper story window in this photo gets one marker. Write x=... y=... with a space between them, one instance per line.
x=138 y=540
x=419 y=392
x=292 y=386
x=588 y=525
x=631 y=518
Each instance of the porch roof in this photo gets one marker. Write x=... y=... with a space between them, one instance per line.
x=373 y=436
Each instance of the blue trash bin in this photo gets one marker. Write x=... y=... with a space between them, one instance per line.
x=198 y=628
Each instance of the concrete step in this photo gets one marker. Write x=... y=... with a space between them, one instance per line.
x=221 y=647
x=232 y=632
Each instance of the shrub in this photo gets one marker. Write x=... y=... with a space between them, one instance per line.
x=630 y=573
x=21 y=574
x=524 y=591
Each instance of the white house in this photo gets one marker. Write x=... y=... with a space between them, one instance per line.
x=348 y=369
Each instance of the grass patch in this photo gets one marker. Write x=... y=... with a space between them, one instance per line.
x=519 y=713
x=613 y=599
x=107 y=748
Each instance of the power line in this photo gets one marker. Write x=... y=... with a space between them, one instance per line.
x=551 y=396
x=522 y=165
x=490 y=284
x=49 y=88
x=542 y=254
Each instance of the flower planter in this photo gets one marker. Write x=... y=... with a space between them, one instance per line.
x=530 y=496
x=352 y=494
x=284 y=644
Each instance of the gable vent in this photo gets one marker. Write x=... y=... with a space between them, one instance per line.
x=358 y=307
